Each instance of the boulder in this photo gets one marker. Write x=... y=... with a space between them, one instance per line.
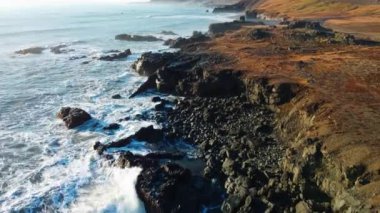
x=73 y=117
x=139 y=38
x=257 y=34
x=99 y=147
x=59 y=49
x=150 y=83
x=228 y=166
x=150 y=62
x=77 y=57
x=303 y=207
x=116 y=56
x=117 y=96
x=32 y=50
x=165 y=32
x=128 y=159
x=167 y=188
x=160 y=107
x=113 y=126
x=231 y=204
x=149 y=134
x=156 y=99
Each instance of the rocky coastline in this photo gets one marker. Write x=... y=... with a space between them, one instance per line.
x=256 y=127
x=237 y=122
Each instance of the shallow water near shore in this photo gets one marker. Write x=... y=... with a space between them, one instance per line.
x=44 y=166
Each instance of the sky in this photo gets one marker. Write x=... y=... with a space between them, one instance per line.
x=26 y=3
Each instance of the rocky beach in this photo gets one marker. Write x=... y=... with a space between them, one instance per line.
x=276 y=111
x=266 y=108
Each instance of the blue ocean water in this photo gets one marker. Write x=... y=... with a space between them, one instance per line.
x=44 y=166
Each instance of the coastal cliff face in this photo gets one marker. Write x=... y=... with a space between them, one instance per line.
x=329 y=123
x=322 y=88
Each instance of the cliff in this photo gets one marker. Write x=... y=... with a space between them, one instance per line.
x=323 y=88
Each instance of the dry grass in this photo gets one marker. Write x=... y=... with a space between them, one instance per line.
x=360 y=19
x=344 y=77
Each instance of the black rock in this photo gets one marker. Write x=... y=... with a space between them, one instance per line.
x=59 y=49
x=126 y=37
x=150 y=83
x=77 y=57
x=156 y=99
x=266 y=129
x=117 y=96
x=167 y=189
x=166 y=155
x=119 y=143
x=160 y=107
x=258 y=34
x=116 y=56
x=149 y=134
x=32 y=50
x=99 y=147
x=128 y=160
x=238 y=7
x=221 y=28
x=73 y=117
x=149 y=62
x=181 y=42
x=113 y=126
x=165 y=32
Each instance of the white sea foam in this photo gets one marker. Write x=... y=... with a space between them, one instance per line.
x=114 y=192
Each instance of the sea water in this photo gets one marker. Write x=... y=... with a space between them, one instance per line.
x=43 y=165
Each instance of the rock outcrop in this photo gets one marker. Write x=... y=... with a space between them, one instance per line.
x=149 y=134
x=181 y=42
x=149 y=62
x=137 y=38
x=169 y=187
x=32 y=50
x=60 y=49
x=233 y=8
x=116 y=56
x=167 y=32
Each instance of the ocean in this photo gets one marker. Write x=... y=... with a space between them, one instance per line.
x=44 y=167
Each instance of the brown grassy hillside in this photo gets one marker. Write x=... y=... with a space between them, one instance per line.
x=361 y=18
x=339 y=105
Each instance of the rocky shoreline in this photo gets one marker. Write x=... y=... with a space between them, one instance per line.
x=251 y=122
x=235 y=121
x=235 y=134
